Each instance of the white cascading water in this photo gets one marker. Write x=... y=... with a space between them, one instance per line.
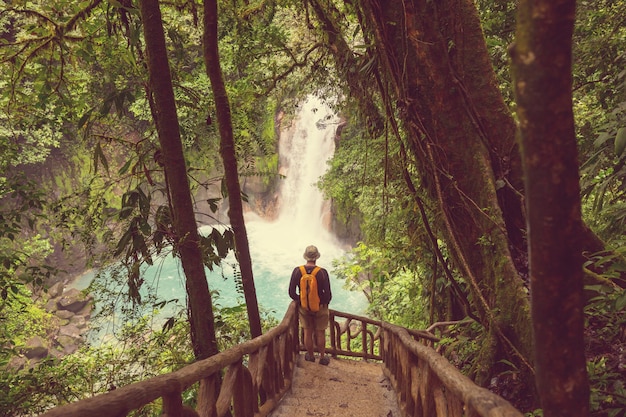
x=304 y=150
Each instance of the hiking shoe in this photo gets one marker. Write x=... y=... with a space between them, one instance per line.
x=309 y=358
x=325 y=360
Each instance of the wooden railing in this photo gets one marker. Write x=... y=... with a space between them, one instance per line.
x=257 y=373
x=427 y=385
x=363 y=330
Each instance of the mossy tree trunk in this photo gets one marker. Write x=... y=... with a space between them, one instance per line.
x=542 y=67
x=462 y=138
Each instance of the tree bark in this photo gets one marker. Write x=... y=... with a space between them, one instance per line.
x=542 y=67
x=200 y=308
x=229 y=158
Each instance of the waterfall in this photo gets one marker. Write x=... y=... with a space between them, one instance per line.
x=304 y=150
x=303 y=217
x=303 y=214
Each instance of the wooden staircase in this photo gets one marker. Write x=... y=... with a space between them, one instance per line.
x=344 y=388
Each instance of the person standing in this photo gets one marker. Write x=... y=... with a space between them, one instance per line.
x=313 y=323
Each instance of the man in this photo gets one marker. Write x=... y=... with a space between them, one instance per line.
x=313 y=323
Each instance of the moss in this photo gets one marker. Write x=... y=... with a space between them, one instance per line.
x=481 y=368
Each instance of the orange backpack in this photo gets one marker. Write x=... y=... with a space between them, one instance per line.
x=309 y=297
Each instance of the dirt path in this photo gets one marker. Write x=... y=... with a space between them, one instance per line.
x=344 y=388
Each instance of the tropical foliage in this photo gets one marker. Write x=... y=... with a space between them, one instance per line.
x=82 y=183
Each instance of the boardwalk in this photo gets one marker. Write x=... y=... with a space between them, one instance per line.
x=272 y=365
x=345 y=388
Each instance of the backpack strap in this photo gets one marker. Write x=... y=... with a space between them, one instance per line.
x=314 y=272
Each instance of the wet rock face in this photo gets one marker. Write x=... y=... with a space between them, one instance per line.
x=72 y=300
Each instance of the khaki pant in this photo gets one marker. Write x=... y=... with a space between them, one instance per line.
x=317 y=320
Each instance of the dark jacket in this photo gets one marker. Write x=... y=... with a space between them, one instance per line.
x=323 y=284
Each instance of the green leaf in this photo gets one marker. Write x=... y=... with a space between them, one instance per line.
x=602 y=137
x=124 y=169
x=223 y=188
x=620 y=141
x=85 y=118
x=169 y=324
x=143 y=202
x=213 y=204
x=98 y=155
x=125 y=212
x=121 y=245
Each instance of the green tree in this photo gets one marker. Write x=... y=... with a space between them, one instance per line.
x=229 y=157
x=179 y=197
x=435 y=76
x=448 y=109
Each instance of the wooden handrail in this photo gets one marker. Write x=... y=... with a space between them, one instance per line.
x=253 y=390
x=427 y=385
x=257 y=373
x=342 y=334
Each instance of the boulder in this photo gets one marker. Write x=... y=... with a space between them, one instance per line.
x=16 y=363
x=55 y=290
x=66 y=341
x=86 y=311
x=51 y=306
x=79 y=321
x=64 y=314
x=70 y=330
x=68 y=350
x=72 y=300
x=56 y=353
x=69 y=339
x=35 y=348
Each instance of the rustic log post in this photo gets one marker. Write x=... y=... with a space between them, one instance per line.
x=364 y=337
x=269 y=377
x=332 y=331
x=441 y=407
x=222 y=405
x=250 y=400
x=241 y=401
x=455 y=406
x=253 y=366
x=276 y=367
x=173 y=401
x=208 y=388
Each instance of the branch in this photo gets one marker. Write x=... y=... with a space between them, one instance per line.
x=295 y=65
x=448 y=323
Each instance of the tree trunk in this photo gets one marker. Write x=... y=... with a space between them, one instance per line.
x=461 y=134
x=227 y=151
x=200 y=308
x=542 y=59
